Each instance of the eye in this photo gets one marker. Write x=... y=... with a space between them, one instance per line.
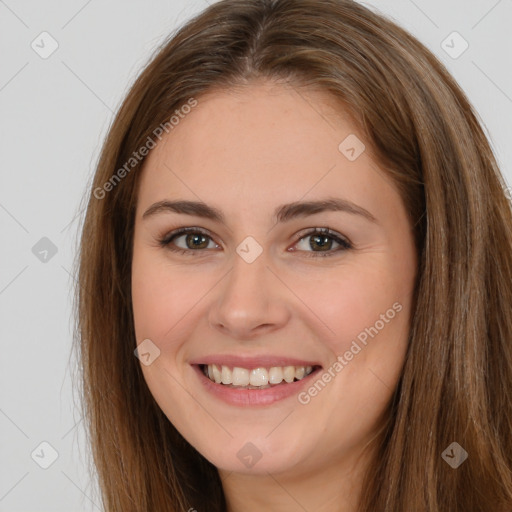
x=191 y=241
x=323 y=240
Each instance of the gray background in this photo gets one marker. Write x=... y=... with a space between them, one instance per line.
x=54 y=114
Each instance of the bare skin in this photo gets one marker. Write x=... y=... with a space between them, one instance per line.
x=246 y=152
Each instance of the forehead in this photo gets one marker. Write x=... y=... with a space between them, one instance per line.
x=261 y=143
x=260 y=121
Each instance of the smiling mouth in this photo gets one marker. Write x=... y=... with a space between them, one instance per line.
x=256 y=378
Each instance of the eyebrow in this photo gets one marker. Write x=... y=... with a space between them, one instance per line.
x=283 y=213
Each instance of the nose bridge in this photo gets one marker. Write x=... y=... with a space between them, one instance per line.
x=249 y=269
x=248 y=298
x=245 y=284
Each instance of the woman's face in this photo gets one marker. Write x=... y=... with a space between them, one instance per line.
x=255 y=291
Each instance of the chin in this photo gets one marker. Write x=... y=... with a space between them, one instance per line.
x=254 y=455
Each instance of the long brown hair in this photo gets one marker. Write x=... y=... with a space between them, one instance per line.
x=457 y=378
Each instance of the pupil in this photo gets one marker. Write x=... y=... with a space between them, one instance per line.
x=321 y=240
x=194 y=238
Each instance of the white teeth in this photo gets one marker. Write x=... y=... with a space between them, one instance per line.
x=257 y=378
x=289 y=373
x=226 y=376
x=216 y=373
x=275 y=375
x=240 y=376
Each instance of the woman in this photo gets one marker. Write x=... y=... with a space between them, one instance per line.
x=227 y=365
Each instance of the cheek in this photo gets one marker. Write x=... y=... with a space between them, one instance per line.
x=163 y=297
x=355 y=304
x=150 y=299
x=366 y=310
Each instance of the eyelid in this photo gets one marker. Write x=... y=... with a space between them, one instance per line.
x=340 y=239
x=166 y=239
x=322 y=231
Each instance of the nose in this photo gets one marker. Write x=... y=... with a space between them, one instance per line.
x=250 y=301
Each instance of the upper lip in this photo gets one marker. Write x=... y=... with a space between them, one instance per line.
x=251 y=362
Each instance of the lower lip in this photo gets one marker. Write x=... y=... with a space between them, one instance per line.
x=253 y=397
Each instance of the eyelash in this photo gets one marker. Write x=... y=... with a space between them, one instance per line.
x=344 y=243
